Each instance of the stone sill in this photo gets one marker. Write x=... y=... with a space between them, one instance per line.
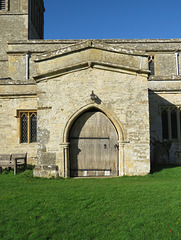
x=5 y=12
x=165 y=78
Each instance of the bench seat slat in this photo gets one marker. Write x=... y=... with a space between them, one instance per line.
x=8 y=165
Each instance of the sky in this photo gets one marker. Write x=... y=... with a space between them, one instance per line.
x=112 y=19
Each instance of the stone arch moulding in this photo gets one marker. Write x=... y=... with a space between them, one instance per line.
x=114 y=120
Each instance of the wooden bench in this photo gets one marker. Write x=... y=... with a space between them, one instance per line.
x=13 y=161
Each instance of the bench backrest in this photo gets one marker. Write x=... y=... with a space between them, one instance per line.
x=19 y=156
x=5 y=157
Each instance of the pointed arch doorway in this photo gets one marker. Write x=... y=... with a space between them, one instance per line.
x=93 y=146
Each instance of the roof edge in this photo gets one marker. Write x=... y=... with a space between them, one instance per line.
x=88 y=44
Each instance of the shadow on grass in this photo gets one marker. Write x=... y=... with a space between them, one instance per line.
x=19 y=170
x=158 y=167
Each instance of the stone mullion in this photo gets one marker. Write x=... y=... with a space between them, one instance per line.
x=6 y=5
x=29 y=127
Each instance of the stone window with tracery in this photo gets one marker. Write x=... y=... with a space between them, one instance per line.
x=171 y=122
x=28 y=127
x=151 y=64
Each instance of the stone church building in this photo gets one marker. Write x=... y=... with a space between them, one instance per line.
x=86 y=107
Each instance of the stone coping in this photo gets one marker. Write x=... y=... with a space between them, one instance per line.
x=110 y=41
x=89 y=44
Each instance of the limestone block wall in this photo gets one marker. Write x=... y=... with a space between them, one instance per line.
x=163 y=93
x=163 y=50
x=165 y=64
x=12 y=27
x=123 y=94
x=15 y=25
x=17 y=66
x=12 y=99
x=4 y=68
x=18 y=6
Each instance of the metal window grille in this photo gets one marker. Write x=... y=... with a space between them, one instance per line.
x=2 y=5
x=28 y=121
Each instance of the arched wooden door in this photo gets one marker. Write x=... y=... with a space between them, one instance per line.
x=93 y=146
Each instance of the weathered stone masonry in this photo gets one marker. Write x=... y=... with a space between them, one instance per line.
x=136 y=85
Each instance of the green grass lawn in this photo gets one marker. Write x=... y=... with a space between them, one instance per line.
x=109 y=208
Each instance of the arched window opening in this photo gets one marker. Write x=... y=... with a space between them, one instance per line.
x=28 y=127
x=151 y=65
